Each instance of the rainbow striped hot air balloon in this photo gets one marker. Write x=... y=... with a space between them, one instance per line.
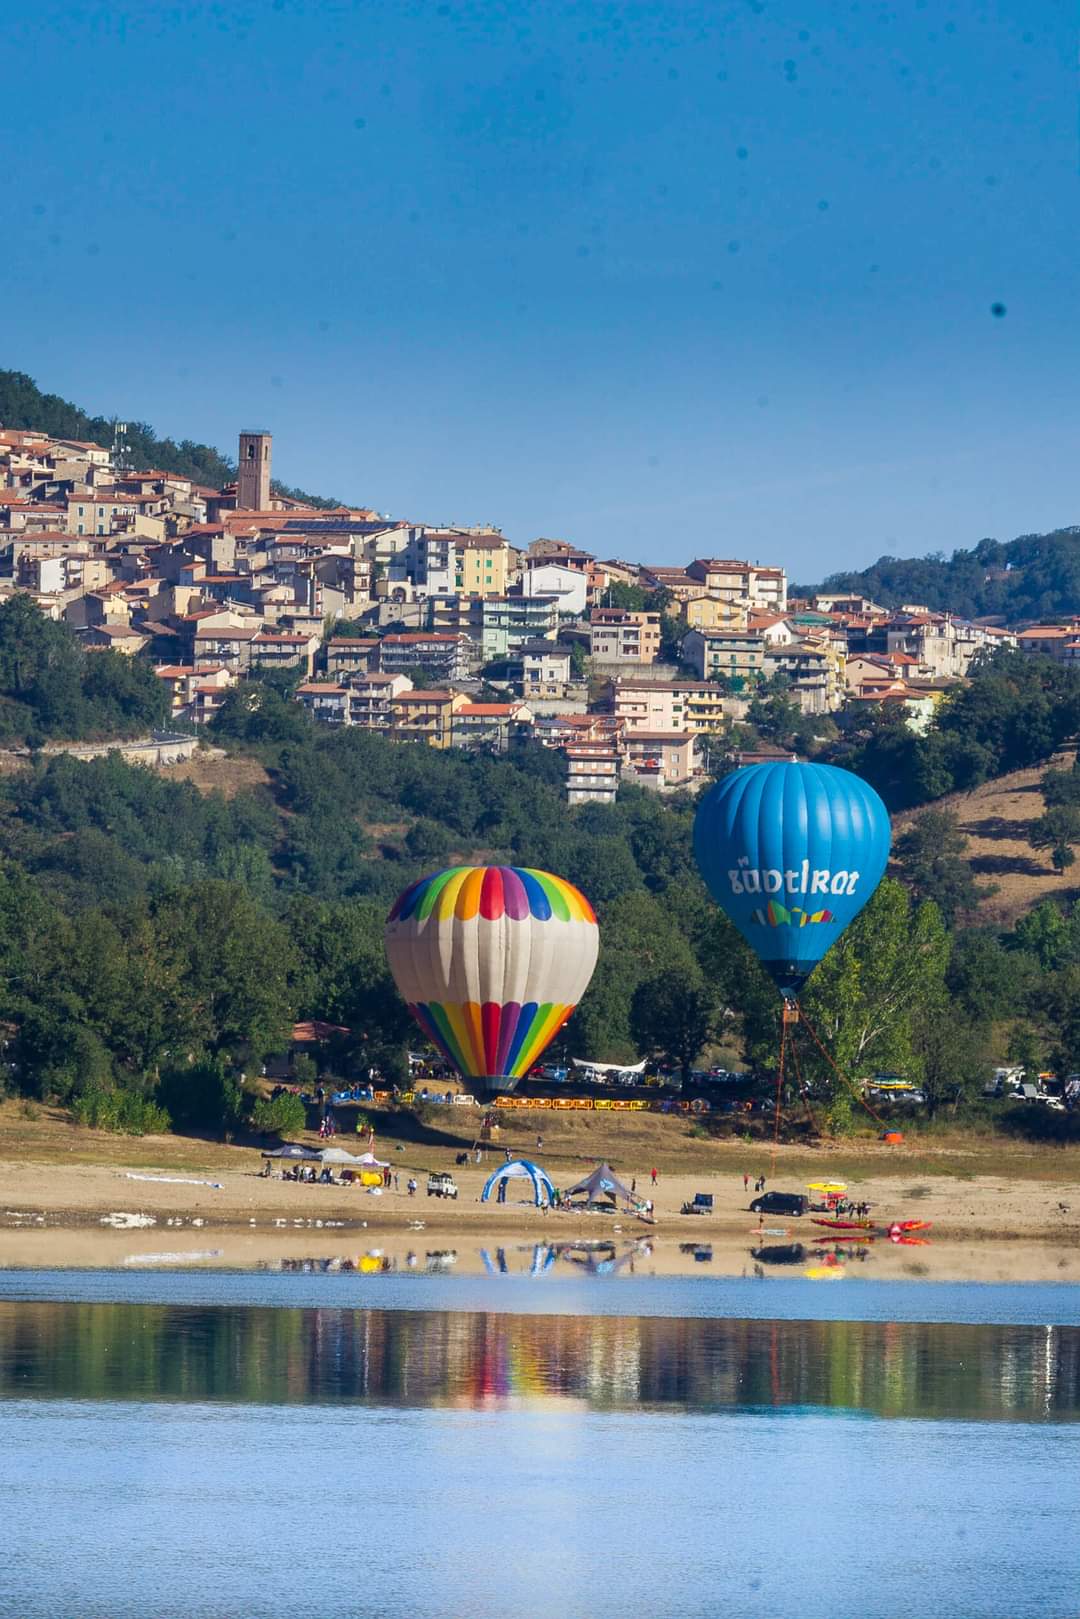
x=492 y=961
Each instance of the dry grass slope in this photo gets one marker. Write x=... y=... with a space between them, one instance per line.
x=996 y=818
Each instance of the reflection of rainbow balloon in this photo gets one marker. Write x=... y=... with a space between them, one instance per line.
x=492 y=961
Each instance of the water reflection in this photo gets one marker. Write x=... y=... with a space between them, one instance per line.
x=467 y=1359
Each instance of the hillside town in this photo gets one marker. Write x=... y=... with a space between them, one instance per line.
x=450 y=634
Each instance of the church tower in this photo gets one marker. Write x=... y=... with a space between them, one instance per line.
x=253 y=482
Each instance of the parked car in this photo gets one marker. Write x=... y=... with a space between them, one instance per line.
x=440 y=1183
x=780 y=1203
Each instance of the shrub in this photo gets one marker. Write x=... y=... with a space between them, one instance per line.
x=120 y=1111
x=283 y=1116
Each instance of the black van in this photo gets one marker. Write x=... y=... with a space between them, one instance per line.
x=779 y=1203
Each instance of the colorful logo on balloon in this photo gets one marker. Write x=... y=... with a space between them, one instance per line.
x=778 y=916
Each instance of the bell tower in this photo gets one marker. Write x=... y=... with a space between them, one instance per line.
x=253 y=480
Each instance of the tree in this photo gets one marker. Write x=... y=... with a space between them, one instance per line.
x=773 y=712
x=286 y=1115
x=255 y=712
x=863 y=996
x=949 y=1055
x=236 y=965
x=202 y=1095
x=1057 y=831
x=630 y=597
x=672 y=1017
x=932 y=856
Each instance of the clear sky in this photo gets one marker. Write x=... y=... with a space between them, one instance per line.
x=662 y=279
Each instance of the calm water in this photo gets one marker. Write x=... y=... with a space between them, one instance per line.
x=228 y=1458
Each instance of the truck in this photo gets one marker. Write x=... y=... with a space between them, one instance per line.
x=440 y=1183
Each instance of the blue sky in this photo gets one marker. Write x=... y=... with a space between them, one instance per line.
x=665 y=280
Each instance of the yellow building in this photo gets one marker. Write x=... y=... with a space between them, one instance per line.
x=480 y=565
x=427 y=716
x=714 y=613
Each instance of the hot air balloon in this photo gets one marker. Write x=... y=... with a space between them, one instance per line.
x=791 y=852
x=492 y=961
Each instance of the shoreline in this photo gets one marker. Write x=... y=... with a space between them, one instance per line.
x=983 y=1209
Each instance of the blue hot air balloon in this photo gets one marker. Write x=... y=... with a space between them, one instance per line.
x=791 y=852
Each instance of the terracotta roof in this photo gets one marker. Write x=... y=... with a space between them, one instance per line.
x=303 y=1033
x=272 y=638
x=227 y=633
x=488 y=710
x=424 y=697
x=324 y=688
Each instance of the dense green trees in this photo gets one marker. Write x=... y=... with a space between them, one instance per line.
x=1034 y=577
x=157 y=943
x=50 y=687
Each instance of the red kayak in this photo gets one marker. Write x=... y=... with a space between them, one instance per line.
x=901 y=1226
x=846 y=1225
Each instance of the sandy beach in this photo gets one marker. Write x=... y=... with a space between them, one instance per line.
x=98 y=1214
x=68 y=1196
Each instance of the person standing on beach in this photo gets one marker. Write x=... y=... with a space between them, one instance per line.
x=653 y=1174
x=746 y=1183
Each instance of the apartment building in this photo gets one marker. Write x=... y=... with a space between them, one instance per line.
x=481 y=565
x=371 y=699
x=661 y=760
x=274 y=650
x=592 y=772
x=737 y=655
x=493 y=726
x=617 y=635
x=545 y=669
x=325 y=700
x=444 y=654
x=814 y=671
x=426 y=716
x=568 y=586
x=350 y=655
x=742 y=581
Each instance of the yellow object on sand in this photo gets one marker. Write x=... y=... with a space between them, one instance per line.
x=826 y=1186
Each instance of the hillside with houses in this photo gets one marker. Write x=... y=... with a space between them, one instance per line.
x=634 y=672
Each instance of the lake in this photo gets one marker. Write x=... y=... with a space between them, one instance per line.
x=224 y=1445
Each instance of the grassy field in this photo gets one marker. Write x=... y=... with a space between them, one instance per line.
x=632 y=1143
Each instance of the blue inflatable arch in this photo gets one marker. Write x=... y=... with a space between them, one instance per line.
x=521 y=1169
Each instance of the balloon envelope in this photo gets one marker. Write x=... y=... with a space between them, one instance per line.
x=791 y=852
x=492 y=961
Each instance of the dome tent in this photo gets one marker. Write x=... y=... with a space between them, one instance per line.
x=520 y=1169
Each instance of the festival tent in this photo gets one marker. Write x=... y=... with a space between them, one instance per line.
x=338 y=1155
x=602 y=1183
x=292 y=1149
x=520 y=1169
x=368 y=1160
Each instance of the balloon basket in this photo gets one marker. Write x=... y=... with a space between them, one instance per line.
x=789 y=1016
